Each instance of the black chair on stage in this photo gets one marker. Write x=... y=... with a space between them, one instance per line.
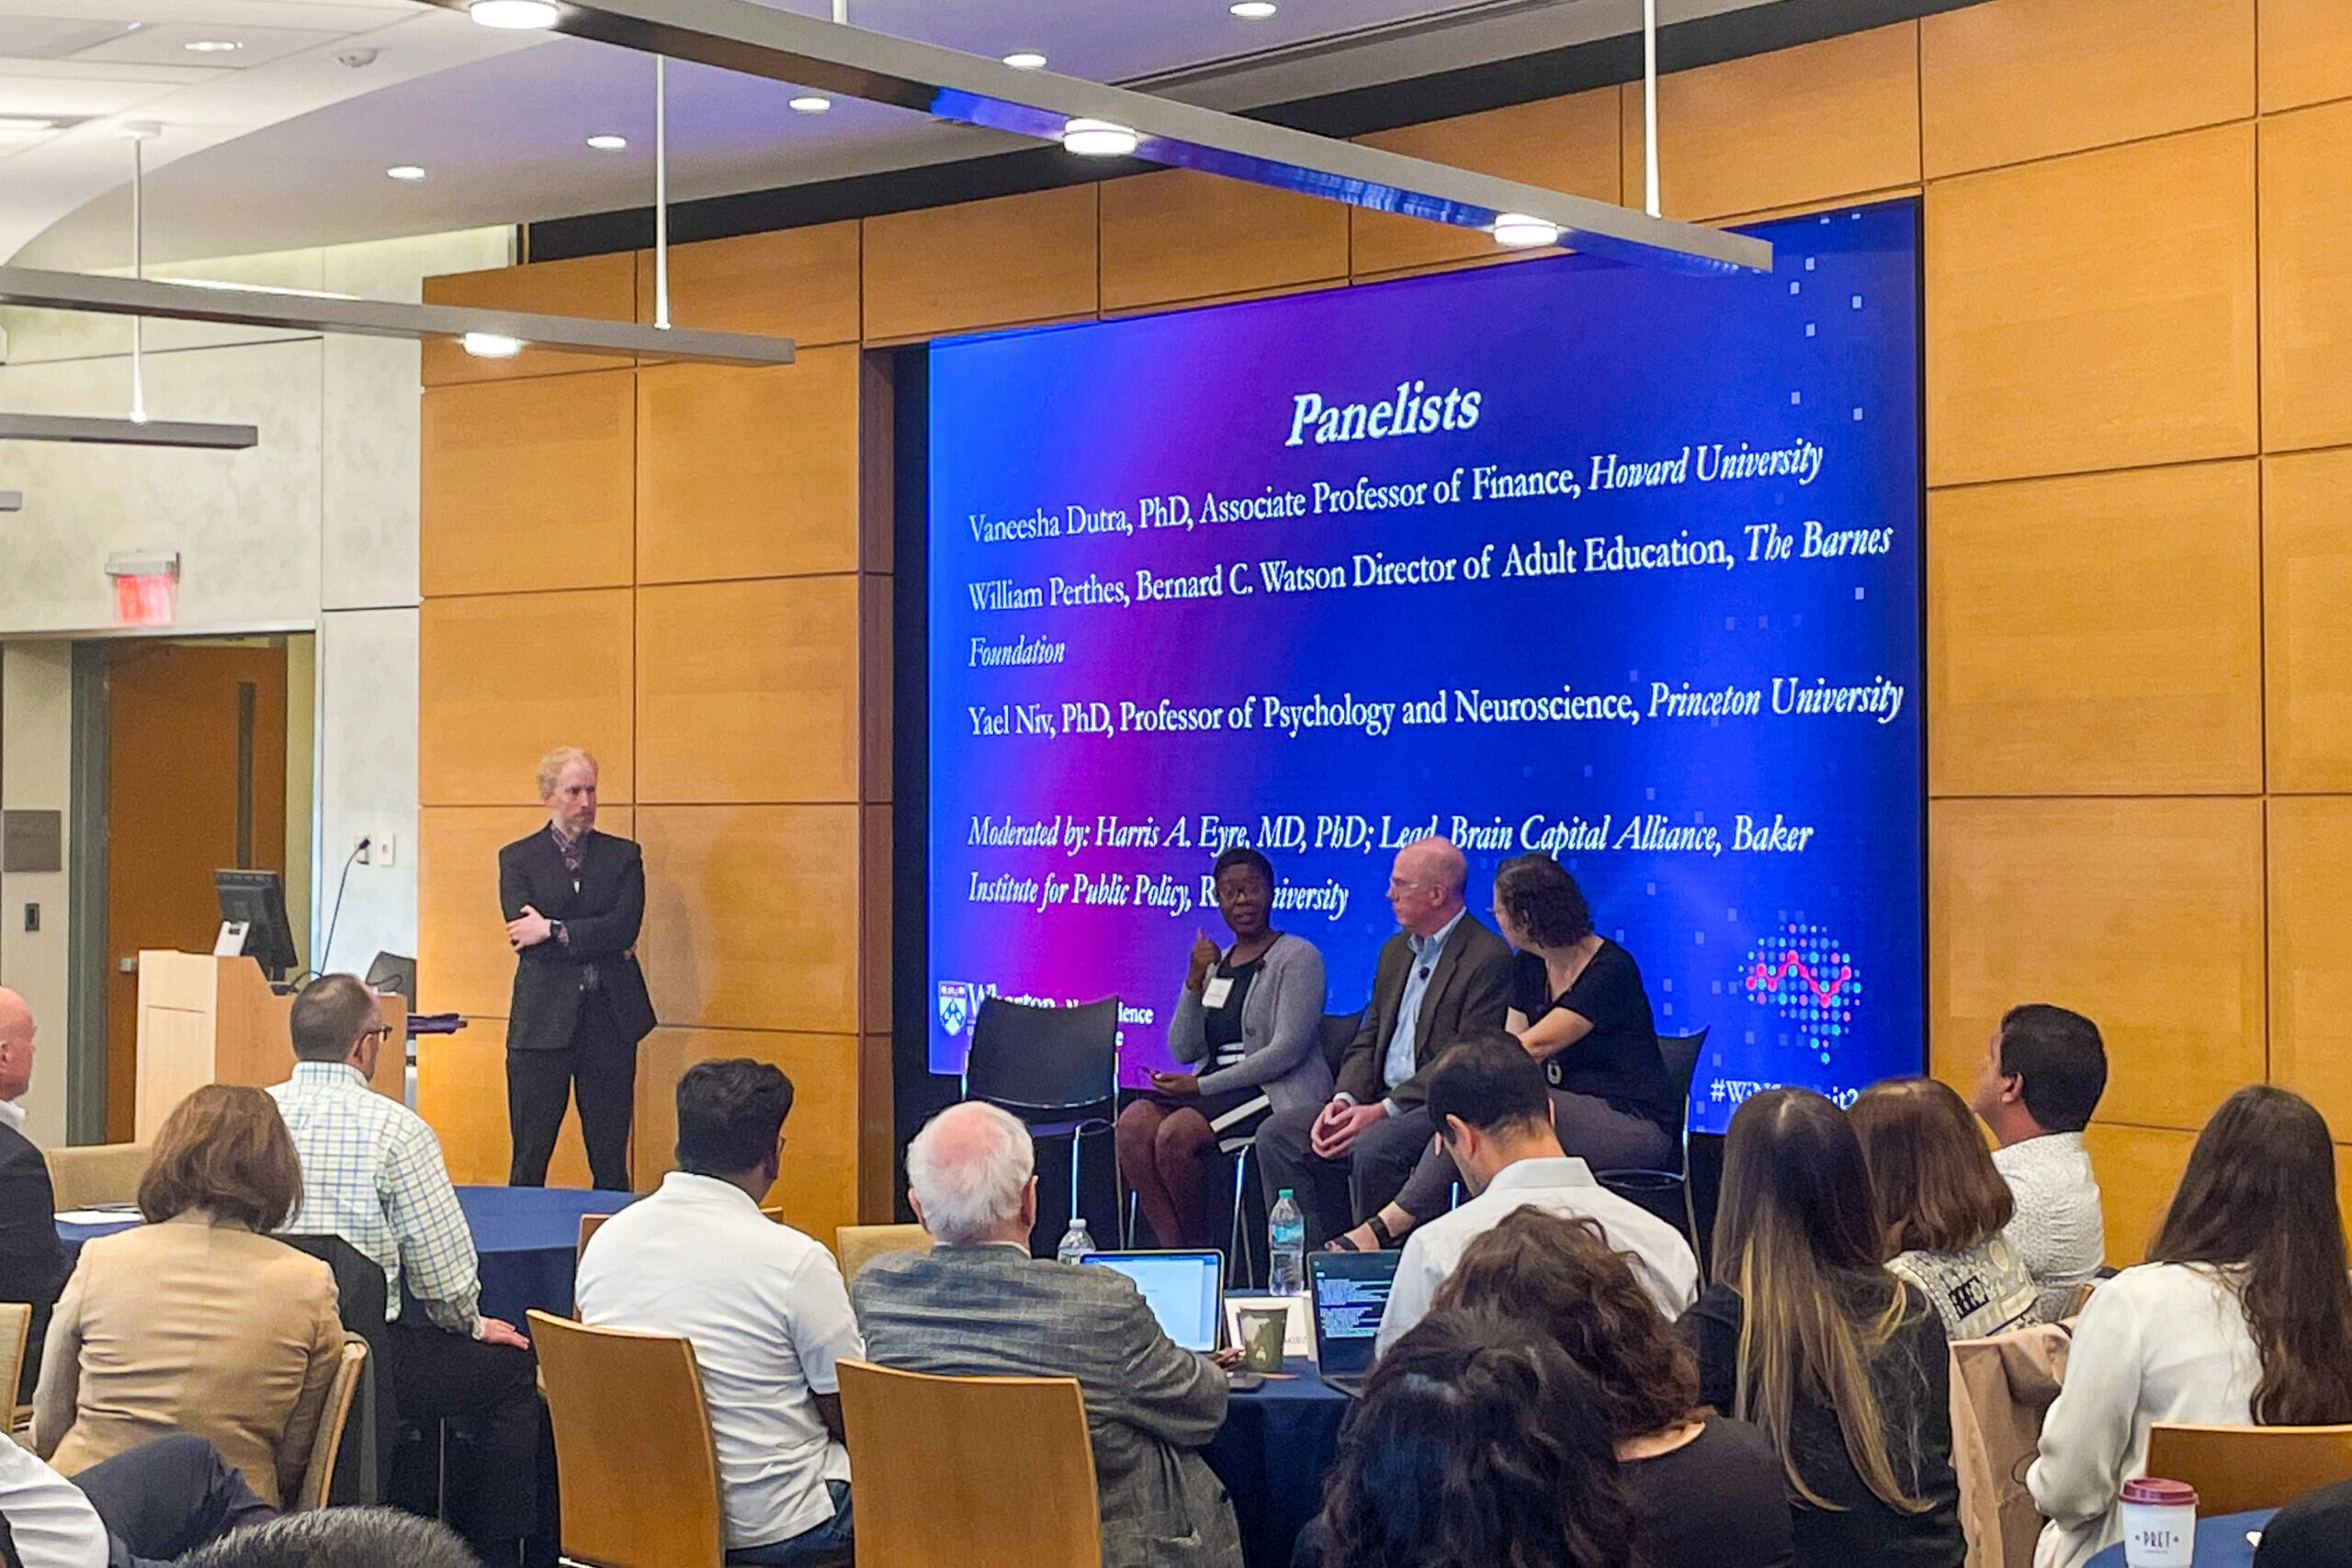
x=1667 y=1193
x=1055 y=1068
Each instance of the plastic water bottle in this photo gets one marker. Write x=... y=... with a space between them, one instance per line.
x=1076 y=1242
x=1285 y=1246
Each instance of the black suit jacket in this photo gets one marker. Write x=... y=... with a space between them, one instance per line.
x=1468 y=993
x=32 y=1258
x=601 y=915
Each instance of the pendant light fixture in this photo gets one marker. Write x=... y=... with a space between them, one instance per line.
x=838 y=59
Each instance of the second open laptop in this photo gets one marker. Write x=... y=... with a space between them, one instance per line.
x=1349 y=1292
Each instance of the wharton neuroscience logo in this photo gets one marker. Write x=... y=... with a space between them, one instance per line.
x=1807 y=976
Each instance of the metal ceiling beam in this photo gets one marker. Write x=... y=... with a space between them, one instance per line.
x=377 y=318
x=117 y=432
x=765 y=41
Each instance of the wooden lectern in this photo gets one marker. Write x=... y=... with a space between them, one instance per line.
x=204 y=1020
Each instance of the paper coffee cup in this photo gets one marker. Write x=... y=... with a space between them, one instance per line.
x=1262 y=1336
x=2159 y=1523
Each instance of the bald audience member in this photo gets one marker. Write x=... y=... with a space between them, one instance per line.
x=32 y=1260
x=979 y=1305
x=1443 y=977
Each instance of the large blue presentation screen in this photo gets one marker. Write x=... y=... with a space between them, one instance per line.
x=1605 y=562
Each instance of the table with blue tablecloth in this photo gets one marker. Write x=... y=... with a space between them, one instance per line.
x=528 y=1238
x=1277 y=1442
x=2220 y=1542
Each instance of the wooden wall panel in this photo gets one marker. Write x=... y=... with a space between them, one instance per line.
x=462 y=1094
x=1567 y=143
x=748 y=690
x=2307 y=276
x=752 y=916
x=2146 y=915
x=527 y=484
x=795 y=283
x=1795 y=126
x=2310 y=963
x=999 y=262
x=877 y=1142
x=602 y=287
x=747 y=473
x=503 y=678
x=2137 y=1170
x=817 y=1186
x=2306 y=52
x=876 y=942
x=2096 y=635
x=1182 y=235
x=2096 y=312
x=2307 y=612
x=2010 y=80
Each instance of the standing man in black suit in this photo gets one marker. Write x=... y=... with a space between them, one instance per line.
x=573 y=900
x=32 y=1260
x=1443 y=977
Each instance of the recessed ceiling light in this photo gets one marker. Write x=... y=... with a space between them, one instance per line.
x=405 y=172
x=1026 y=60
x=25 y=124
x=1098 y=138
x=514 y=14
x=1518 y=231
x=211 y=46
x=1252 y=10
x=809 y=103
x=491 y=346
x=606 y=142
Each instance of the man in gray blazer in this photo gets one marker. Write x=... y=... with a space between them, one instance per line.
x=979 y=1305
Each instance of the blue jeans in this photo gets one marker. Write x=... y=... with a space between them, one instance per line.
x=822 y=1543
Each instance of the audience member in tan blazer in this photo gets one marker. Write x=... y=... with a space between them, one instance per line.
x=199 y=1320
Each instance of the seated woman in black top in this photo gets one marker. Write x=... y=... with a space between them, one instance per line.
x=1706 y=1490
x=1806 y=1333
x=1578 y=1007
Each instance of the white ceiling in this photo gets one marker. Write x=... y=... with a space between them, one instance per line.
x=282 y=143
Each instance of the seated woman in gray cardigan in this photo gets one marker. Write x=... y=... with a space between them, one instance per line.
x=1252 y=1016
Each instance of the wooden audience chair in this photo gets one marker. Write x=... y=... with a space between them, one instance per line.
x=638 y=1476
x=588 y=1224
x=970 y=1472
x=318 y=1476
x=95 y=1173
x=857 y=1246
x=2238 y=1467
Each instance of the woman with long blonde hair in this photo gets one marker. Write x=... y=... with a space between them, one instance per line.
x=1806 y=1333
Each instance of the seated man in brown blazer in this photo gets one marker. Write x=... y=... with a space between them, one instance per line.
x=1440 y=978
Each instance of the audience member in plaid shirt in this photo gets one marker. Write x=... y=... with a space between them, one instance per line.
x=372 y=1174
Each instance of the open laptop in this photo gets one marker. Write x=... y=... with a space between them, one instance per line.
x=1184 y=1290
x=1349 y=1290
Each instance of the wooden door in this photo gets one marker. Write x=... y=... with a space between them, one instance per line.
x=197 y=739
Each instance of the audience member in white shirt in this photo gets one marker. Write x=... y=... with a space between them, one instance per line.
x=2043 y=1072
x=1943 y=1205
x=141 y=1508
x=763 y=1305
x=2242 y=1312
x=1493 y=1108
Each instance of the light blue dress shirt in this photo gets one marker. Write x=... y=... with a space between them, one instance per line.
x=1399 y=1064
